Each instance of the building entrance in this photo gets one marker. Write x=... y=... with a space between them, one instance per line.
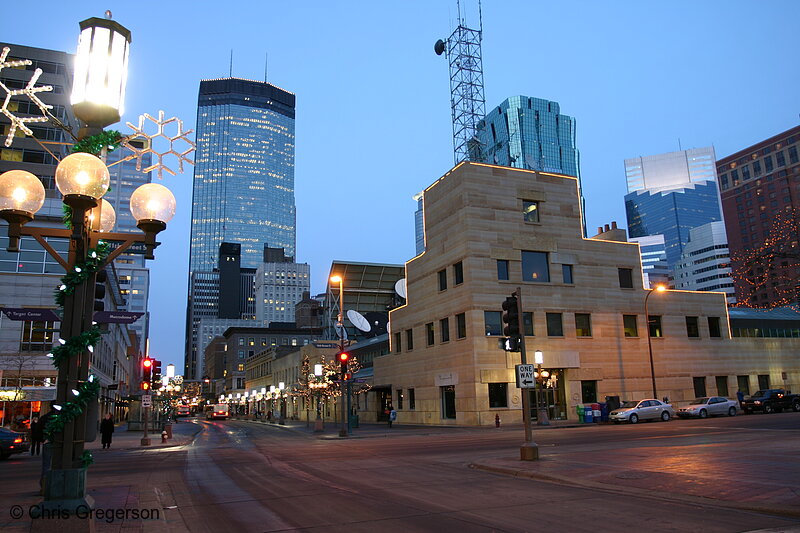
x=550 y=393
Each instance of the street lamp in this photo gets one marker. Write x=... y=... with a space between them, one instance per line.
x=542 y=419
x=282 y=406
x=659 y=288
x=340 y=323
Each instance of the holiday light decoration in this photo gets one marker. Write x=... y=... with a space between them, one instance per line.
x=768 y=275
x=160 y=122
x=29 y=90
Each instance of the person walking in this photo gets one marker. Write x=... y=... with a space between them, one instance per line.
x=106 y=429
x=740 y=397
x=392 y=414
x=37 y=435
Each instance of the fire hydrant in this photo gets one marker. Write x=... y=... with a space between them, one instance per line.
x=164 y=437
x=497 y=421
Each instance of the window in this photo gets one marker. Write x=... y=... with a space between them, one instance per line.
x=699 y=387
x=429 y=337
x=722 y=385
x=692 y=328
x=458 y=273
x=555 y=327
x=535 y=267
x=589 y=391
x=409 y=339
x=629 y=326
x=397 y=345
x=713 y=327
x=502 y=269
x=241 y=341
x=763 y=381
x=625 y=278
x=461 y=326
x=412 y=403
x=448 y=402
x=530 y=210
x=654 y=322
x=527 y=324
x=443 y=280
x=399 y=398
x=37 y=336
x=444 y=329
x=792 y=154
x=779 y=159
x=743 y=382
x=498 y=395
x=583 y=325
x=566 y=272
x=493 y=321
x=756 y=168
x=768 y=163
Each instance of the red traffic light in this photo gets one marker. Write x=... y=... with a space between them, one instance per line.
x=147 y=363
x=344 y=357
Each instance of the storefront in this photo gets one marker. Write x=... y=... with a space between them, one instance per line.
x=550 y=393
x=18 y=404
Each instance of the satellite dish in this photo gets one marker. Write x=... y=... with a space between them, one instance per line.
x=378 y=322
x=400 y=287
x=531 y=161
x=358 y=320
x=439 y=47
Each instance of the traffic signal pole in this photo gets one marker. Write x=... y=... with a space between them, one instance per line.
x=529 y=451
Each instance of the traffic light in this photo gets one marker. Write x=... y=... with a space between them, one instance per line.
x=511 y=317
x=100 y=290
x=156 y=370
x=344 y=357
x=509 y=344
x=147 y=373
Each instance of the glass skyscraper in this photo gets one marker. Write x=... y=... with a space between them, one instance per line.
x=529 y=133
x=244 y=171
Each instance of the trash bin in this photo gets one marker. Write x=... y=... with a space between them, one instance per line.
x=596 y=412
x=587 y=414
x=353 y=421
x=604 y=412
x=580 y=410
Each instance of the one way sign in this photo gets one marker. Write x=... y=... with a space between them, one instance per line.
x=525 y=379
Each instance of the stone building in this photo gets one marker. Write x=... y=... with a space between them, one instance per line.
x=490 y=230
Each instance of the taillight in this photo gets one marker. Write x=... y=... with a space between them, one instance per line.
x=18 y=440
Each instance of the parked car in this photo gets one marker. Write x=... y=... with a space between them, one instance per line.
x=183 y=410
x=771 y=401
x=709 y=406
x=12 y=442
x=642 y=410
x=218 y=411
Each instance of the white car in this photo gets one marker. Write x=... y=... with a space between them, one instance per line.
x=709 y=406
x=642 y=410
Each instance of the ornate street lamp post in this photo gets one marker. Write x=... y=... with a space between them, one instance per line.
x=340 y=324
x=659 y=288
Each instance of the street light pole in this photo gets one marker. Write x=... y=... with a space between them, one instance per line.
x=340 y=279
x=542 y=418
x=659 y=288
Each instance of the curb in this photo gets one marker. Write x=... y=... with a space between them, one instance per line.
x=646 y=493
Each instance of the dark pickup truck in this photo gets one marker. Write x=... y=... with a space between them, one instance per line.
x=771 y=401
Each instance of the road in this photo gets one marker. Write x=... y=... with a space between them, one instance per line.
x=246 y=476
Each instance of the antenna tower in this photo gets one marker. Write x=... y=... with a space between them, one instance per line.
x=467 y=100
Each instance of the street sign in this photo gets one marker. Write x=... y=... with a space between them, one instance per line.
x=525 y=379
x=113 y=386
x=135 y=248
x=117 y=317
x=147 y=400
x=31 y=313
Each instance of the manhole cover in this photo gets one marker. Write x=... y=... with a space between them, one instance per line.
x=633 y=474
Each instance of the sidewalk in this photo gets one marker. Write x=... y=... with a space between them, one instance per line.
x=182 y=433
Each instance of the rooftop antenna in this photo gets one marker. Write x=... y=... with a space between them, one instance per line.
x=230 y=71
x=467 y=101
x=266 y=60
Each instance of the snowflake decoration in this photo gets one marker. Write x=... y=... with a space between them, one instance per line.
x=29 y=91
x=138 y=132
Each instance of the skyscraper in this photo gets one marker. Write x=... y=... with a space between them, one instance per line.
x=244 y=171
x=529 y=133
x=669 y=194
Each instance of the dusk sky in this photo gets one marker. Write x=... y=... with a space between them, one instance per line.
x=373 y=100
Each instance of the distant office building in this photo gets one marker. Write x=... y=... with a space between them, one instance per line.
x=308 y=312
x=529 y=133
x=280 y=284
x=705 y=263
x=760 y=201
x=419 y=225
x=669 y=194
x=244 y=171
x=654 y=260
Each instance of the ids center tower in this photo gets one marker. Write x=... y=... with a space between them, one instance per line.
x=491 y=229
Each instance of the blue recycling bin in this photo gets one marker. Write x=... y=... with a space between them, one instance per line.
x=587 y=414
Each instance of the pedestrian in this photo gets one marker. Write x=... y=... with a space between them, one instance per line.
x=106 y=429
x=37 y=435
x=392 y=414
x=740 y=397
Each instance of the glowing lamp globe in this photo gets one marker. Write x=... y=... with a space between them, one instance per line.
x=82 y=174
x=103 y=217
x=152 y=202
x=21 y=191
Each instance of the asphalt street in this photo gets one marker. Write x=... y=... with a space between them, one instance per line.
x=249 y=476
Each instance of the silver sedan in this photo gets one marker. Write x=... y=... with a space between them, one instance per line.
x=642 y=410
x=709 y=406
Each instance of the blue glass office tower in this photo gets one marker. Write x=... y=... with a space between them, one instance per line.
x=244 y=171
x=529 y=133
x=672 y=213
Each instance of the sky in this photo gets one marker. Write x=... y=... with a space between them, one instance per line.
x=373 y=121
